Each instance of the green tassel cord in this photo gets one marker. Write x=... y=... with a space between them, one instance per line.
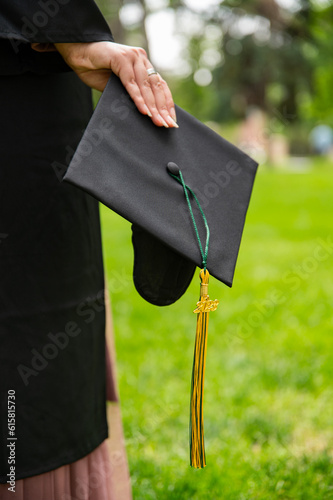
x=203 y=308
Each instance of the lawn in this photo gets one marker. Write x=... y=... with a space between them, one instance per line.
x=269 y=373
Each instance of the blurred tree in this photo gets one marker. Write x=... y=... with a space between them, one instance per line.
x=265 y=58
x=110 y=10
x=127 y=21
x=239 y=54
x=318 y=107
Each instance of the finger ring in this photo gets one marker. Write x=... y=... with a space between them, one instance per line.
x=151 y=71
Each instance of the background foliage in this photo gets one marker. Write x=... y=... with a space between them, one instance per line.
x=258 y=53
x=268 y=390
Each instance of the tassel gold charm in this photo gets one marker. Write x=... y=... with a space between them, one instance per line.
x=204 y=307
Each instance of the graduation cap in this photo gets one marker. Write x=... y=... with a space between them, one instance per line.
x=186 y=191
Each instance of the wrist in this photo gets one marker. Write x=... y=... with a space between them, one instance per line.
x=72 y=53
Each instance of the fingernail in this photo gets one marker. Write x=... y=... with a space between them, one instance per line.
x=148 y=112
x=173 y=114
x=163 y=121
x=172 y=122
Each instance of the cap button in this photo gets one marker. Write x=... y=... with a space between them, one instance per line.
x=173 y=168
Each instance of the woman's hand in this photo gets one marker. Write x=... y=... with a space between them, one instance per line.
x=94 y=62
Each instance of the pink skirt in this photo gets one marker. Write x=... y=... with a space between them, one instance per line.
x=101 y=475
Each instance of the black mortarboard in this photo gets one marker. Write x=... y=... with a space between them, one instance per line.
x=122 y=161
x=172 y=184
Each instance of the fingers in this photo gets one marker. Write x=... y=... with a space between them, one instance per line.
x=156 y=94
x=163 y=96
x=128 y=78
x=150 y=94
x=161 y=99
x=169 y=100
x=153 y=100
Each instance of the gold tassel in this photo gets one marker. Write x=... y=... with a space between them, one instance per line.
x=204 y=307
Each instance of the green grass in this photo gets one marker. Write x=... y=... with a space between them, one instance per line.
x=269 y=373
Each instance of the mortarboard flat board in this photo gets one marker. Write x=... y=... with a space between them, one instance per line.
x=132 y=166
x=122 y=161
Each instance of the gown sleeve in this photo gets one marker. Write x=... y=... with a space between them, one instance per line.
x=31 y=24
x=51 y=21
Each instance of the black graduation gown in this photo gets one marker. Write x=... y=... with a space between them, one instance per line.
x=52 y=315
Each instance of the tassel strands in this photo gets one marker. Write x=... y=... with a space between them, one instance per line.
x=204 y=307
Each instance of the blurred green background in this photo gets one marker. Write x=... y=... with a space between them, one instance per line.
x=261 y=74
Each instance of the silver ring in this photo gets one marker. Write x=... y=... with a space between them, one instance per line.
x=151 y=71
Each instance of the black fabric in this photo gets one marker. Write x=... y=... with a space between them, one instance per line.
x=52 y=21
x=174 y=274
x=122 y=161
x=52 y=315
x=23 y=22
x=24 y=59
